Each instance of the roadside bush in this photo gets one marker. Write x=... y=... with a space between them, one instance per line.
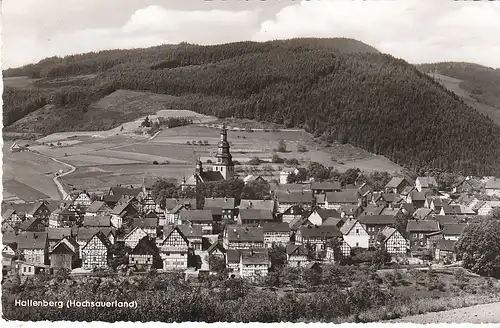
x=155 y=162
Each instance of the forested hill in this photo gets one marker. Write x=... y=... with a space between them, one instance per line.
x=336 y=89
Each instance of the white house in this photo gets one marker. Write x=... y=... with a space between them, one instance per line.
x=320 y=215
x=355 y=234
x=296 y=255
x=286 y=172
x=492 y=187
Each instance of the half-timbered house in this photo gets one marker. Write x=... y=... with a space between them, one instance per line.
x=243 y=237
x=96 y=253
x=174 y=249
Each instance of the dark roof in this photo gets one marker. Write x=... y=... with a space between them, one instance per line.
x=151 y=215
x=122 y=208
x=328 y=231
x=292 y=249
x=377 y=219
x=170 y=203
x=70 y=239
x=334 y=221
x=373 y=210
x=97 y=221
x=211 y=176
x=419 y=196
x=396 y=182
x=145 y=246
x=298 y=222
x=294 y=197
x=57 y=233
x=350 y=196
x=123 y=191
x=233 y=255
x=26 y=225
x=327 y=213
x=446 y=245
x=348 y=226
x=326 y=186
x=253 y=214
x=422 y=213
x=224 y=203
x=349 y=209
x=254 y=257
x=291 y=187
x=111 y=199
x=454 y=229
x=446 y=219
x=196 y=215
x=422 y=225
x=217 y=211
x=86 y=233
x=146 y=222
x=9 y=237
x=168 y=229
x=217 y=245
x=257 y=204
x=245 y=233
x=34 y=208
x=387 y=232
x=275 y=227
x=99 y=235
x=30 y=240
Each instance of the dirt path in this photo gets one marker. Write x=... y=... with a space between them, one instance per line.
x=485 y=313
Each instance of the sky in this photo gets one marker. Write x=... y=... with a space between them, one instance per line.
x=418 y=31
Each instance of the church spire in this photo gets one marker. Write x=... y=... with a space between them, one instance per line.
x=224 y=162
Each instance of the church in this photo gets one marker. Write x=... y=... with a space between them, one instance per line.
x=222 y=169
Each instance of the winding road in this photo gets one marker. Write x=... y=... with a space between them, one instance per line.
x=58 y=183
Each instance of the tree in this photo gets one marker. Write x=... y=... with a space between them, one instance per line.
x=380 y=256
x=292 y=162
x=318 y=171
x=349 y=176
x=163 y=189
x=276 y=159
x=216 y=263
x=146 y=123
x=254 y=161
x=257 y=189
x=281 y=146
x=298 y=177
x=120 y=252
x=277 y=255
x=479 y=247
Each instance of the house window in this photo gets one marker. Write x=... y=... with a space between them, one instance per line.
x=357 y=231
x=29 y=269
x=24 y=269
x=357 y=244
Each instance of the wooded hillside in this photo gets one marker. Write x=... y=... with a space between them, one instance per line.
x=368 y=99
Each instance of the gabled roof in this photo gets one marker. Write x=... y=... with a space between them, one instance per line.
x=320 y=231
x=145 y=246
x=26 y=225
x=35 y=207
x=327 y=213
x=257 y=204
x=335 y=185
x=294 y=197
x=196 y=216
x=388 y=232
x=97 y=221
x=427 y=182
x=349 y=209
x=390 y=211
x=373 y=210
x=122 y=208
x=99 y=235
x=167 y=231
x=85 y=233
x=9 y=237
x=292 y=249
x=275 y=227
x=396 y=182
x=252 y=257
x=191 y=230
x=422 y=213
x=377 y=219
x=61 y=248
x=63 y=241
x=291 y=187
x=57 y=233
x=454 y=229
x=338 y=222
x=224 y=203
x=348 y=226
x=146 y=222
x=493 y=183
x=350 y=196
x=387 y=197
x=95 y=206
x=111 y=199
x=446 y=219
x=216 y=211
x=245 y=233
x=216 y=245
x=298 y=222
x=253 y=214
x=251 y=177
x=31 y=240
x=446 y=245
x=151 y=215
x=171 y=203
x=422 y=225
x=7 y=214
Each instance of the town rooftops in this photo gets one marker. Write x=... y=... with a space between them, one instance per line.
x=298 y=222
x=327 y=213
x=447 y=219
x=121 y=209
x=255 y=258
x=196 y=216
x=100 y=235
x=377 y=219
x=329 y=231
x=7 y=214
x=170 y=203
x=9 y=237
x=373 y=210
x=31 y=240
x=350 y=196
x=111 y=199
x=224 y=203
x=396 y=182
x=427 y=182
x=333 y=221
x=454 y=229
x=422 y=213
x=85 y=233
x=245 y=234
x=387 y=232
x=257 y=204
x=348 y=226
x=57 y=233
x=292 y=249
x=35 y=207
x=422 y=225
x=290 y=187
x=253 y=214
x=275 y=227
x=294 y=197
x=191 y=230
x=148 y=222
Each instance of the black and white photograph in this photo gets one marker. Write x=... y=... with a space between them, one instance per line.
x=239 y=161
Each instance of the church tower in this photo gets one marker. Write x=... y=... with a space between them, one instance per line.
x=224 y=161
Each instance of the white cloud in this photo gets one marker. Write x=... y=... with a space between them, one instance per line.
x=415 y=30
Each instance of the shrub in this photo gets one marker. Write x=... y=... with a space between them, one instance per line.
x=292 y=161
x=281 y=146
x=155 y=162
x=254 y=161
x=301 y=148
x=200 y=142
x=276 y=159
x=206 y=142
x=188 y=142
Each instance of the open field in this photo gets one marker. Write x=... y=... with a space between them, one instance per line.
x=27 y=174
x=104 y=159
x=20 y=82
